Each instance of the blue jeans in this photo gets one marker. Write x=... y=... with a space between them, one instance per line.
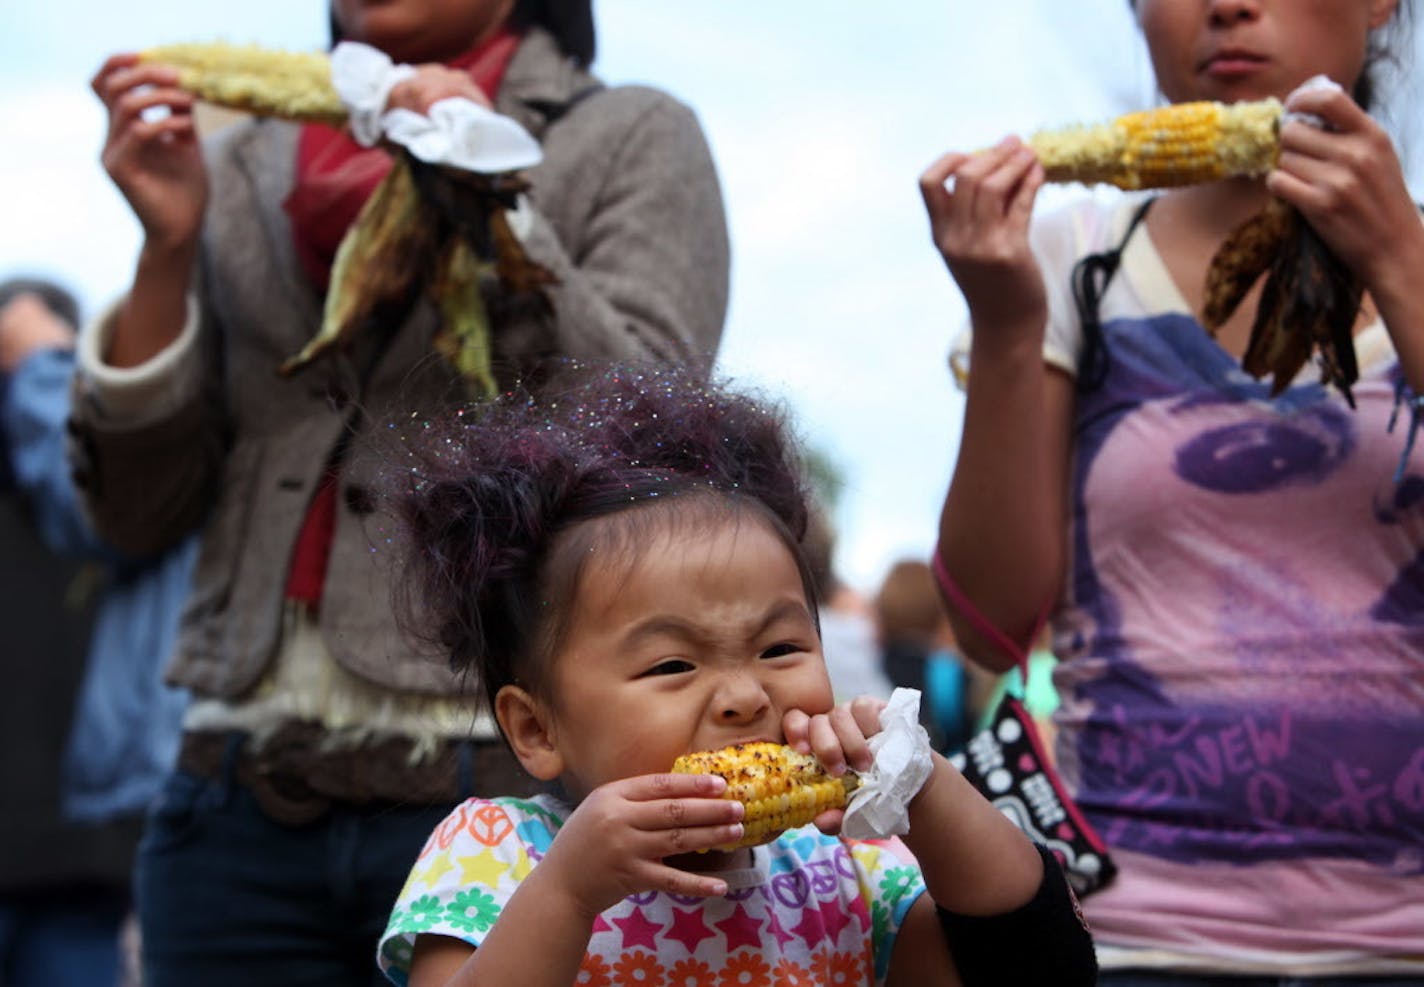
x=226 y=896
x=1154 y=978
x=61 y=941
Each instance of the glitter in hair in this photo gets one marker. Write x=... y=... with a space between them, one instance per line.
x=491 y=492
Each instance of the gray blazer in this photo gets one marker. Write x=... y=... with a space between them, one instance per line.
x=628 y=216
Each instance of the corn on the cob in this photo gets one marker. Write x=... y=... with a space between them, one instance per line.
x=292 y=85
x=1181 y=144
x=780 y=787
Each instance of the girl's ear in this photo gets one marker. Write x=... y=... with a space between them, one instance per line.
x=525 y=722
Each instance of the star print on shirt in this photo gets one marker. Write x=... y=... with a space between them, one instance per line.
x=688 y=928
x=439 y=866
x=484 y=870
x=638 y=931
x=740 y=929
x=812 y=927
x=834 y=917
x=778 y=930
x=861 y=910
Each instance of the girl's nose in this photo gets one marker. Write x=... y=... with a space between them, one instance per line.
x=741 y=699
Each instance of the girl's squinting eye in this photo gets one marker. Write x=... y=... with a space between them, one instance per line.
x=782 y=650
x=672 y=666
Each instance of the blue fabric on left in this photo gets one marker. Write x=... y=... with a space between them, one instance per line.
x=32 y=417
x=127 y=722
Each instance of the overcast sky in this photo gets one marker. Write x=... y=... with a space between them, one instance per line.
x=821 y=115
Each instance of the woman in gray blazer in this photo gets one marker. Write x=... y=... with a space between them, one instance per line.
x=321 y=748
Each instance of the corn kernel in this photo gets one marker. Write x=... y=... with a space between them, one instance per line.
x=291 y=85
x=779 y=787
x=1181 y=144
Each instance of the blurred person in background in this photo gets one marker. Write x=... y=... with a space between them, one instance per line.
x=917 y=651
x=847 y=625
x=64 y=885
x=1039 y=695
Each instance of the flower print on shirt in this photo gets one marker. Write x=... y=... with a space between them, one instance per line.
x=821 y=911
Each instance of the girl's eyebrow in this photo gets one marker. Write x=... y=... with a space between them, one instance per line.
x=785 y=609
x=662 y=625
x=687 y=630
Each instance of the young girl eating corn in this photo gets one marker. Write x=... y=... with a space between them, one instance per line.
x=621 y=569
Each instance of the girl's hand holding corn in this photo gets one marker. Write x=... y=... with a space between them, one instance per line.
x=615 y=842
x=838 y=739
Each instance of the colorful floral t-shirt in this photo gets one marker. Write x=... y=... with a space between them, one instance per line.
x=813 y=909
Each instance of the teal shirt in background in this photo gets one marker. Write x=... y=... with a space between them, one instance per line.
x=1040 y=698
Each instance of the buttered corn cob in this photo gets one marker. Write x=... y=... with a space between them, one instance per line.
x=1181 y=144
x=291 y=85
x=780 y=787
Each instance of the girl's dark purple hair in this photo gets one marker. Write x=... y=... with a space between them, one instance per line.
x=491 y=488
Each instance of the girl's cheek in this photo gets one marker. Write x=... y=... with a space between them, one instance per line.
x=820 y=701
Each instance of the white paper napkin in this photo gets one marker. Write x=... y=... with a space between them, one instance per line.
x=456 y=131
x=1309 y=85
x=463 y=134
x=903 y=761
x=364 y=77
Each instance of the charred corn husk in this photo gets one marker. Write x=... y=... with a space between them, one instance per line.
x=1309 y=304
x=291 y=85
x=389 y=248
x=1309 y=299
x=464 y=334
x=1181 y=144
x=780 y=787
x=1242 y=258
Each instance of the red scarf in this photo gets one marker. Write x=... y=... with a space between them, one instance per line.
x=335 y=177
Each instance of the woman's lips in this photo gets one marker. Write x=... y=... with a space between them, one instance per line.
x=1233 y=65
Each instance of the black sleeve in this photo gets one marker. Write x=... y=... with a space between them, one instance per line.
x=1045 y=941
